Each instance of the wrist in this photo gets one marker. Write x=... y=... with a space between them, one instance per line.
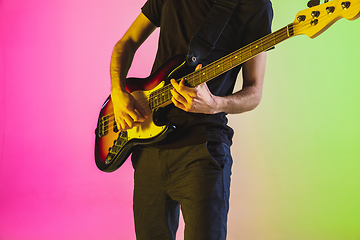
x=117 y=87
x=217 y=104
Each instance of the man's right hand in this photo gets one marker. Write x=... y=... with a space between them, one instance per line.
x=127 y=110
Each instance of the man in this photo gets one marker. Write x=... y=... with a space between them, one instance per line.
x=192 y=168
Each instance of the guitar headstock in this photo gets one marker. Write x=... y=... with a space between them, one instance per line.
x=315 y=20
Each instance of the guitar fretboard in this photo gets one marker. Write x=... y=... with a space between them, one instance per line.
x=162 y=96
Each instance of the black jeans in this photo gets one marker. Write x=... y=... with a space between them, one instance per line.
x=197 y=178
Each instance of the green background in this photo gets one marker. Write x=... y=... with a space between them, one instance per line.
x=296 y=170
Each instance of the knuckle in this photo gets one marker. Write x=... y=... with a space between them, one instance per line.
x=130 y=125
x=135 y=118
x=176 y=97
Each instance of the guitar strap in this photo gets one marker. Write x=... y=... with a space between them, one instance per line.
x=210 y=30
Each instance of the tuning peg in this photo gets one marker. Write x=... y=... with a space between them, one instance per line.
x=313 y=3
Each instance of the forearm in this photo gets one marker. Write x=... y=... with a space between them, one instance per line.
x=250 y=95
x=201 y=100
x=121 y=60
x=244 y=100
x=125 y=49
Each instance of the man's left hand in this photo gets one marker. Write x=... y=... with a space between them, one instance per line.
x=196 y=100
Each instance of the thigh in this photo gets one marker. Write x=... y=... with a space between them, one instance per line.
x=203 y=191
x=156 y=215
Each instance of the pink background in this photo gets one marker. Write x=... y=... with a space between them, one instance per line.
x=296 y=169
x=54 y=61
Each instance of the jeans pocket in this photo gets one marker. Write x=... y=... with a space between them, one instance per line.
x=220 y=153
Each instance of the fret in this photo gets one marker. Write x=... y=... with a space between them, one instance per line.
x=222 y=64
x=256 y=49
x=151 y=102
x=198 y=78
x=157 y=100
x=210 y=74
x=229 y=63
x=268 y=44
x=162 y=97
x=217 y=69
x=204 y=77
x=237 y=59
x=195 y=78
x=274 y=39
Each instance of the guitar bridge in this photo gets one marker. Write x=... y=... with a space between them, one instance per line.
x=117 y=146
x=103 y=127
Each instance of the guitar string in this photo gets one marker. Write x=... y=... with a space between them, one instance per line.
x=245 y=52
x=228 y=62
x=274 y=37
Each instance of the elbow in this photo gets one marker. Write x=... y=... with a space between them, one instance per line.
x=255 y=101
x=255 y=98
x=125 y=44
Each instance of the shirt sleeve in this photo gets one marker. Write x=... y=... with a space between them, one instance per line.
x=258 y=24
x=152 y=10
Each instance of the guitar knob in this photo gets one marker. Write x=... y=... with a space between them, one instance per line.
x=314 y=22
x=301 y=18
x=345 y=5
x=330 y=10
x=315 y=14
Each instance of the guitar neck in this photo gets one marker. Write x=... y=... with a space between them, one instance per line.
x=162 y=96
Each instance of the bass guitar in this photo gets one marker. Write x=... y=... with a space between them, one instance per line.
x=113 y=147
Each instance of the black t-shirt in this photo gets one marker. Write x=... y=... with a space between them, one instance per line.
x=178 y=21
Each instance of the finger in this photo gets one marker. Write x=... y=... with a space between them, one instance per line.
x=117 y=122
x=123 y=125
x=182 y=89
x=177 y=91
x=174 y=83
x=179 y=86
x=133 y=115
x=135 y=121
x=141 y=110
x=198 y=67
x=177 y=103
x=187 y=92
x=178 y=97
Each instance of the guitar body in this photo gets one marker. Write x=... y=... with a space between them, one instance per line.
x=113 y=147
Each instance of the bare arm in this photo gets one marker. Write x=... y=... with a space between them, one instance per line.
x=128 y=112
x=201 y=100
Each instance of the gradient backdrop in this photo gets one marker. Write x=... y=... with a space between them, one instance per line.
x=296 y=173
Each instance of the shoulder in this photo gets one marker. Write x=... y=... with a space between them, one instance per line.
x=152 y=10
